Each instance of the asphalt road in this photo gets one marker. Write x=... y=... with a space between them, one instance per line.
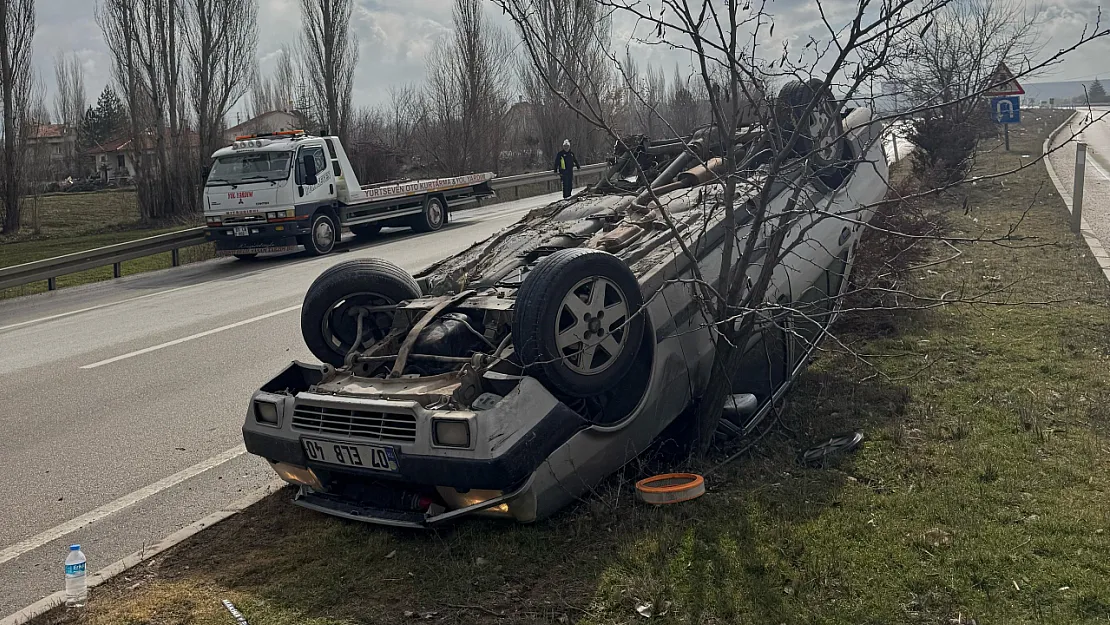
x=121 y=402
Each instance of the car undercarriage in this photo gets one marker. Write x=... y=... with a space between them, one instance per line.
x=510 y=378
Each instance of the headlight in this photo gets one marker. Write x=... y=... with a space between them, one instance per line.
x=271 y=215
x=214 y=221
x=265 y=412
x=451 y=433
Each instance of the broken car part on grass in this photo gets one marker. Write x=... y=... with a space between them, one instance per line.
x=511 y=378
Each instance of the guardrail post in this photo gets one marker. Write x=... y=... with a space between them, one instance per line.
x=1077 y=186
x=175 y=257
x=117 y=270
x=51 y=284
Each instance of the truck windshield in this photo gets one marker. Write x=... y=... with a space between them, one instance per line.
x=249 y=167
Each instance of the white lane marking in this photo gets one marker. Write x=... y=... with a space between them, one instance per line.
x=97 y=307
x=154 y=348
x=126 y=501
x=497 y=211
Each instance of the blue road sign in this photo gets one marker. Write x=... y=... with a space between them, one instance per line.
x=1007 y=109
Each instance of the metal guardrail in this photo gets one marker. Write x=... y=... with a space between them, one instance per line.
x=49 y=269
x=519 y=180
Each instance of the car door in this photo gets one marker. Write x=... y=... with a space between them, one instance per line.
x=323 y=191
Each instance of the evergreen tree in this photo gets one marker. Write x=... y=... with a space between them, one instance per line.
x=1096 y=92
x=104 y=122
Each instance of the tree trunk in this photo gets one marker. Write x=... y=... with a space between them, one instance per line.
x=11 y=166
x=726 y=360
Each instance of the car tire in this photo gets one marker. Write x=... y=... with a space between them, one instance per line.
x=828 y=151
x=329 y=325
x=246 y=256
x=433 y=217
x=322 y=236
x=366 y=231
x=566 y=341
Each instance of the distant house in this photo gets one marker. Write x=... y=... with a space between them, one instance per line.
x=52 y=146
x=273 y=121
x=115 y=160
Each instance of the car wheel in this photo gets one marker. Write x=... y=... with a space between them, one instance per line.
x=322 y=235
x=819 y=139
x=579 y=321
x=329 y=316
x=246 y=256
x=366 y=231
x=432 y=218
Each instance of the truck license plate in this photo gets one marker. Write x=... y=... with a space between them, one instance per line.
x=241 y=231
x=364 y=456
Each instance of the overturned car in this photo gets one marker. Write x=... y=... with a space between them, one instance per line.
x=509 y=379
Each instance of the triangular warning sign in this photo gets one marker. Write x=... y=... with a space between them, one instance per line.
x=1002 y=82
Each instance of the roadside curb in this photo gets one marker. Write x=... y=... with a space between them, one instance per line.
x=1102 y=257
x=52 y=601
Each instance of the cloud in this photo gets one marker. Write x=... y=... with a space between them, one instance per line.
x=395 y=36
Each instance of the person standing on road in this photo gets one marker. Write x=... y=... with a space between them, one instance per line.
x=565 y=162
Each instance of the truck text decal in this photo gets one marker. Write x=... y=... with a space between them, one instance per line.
x=423 y=186
x=234 y=195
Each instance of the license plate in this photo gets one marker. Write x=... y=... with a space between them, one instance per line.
x=364 y=456
x=241 y=231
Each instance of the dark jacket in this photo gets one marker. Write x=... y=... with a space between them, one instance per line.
x=564 y=161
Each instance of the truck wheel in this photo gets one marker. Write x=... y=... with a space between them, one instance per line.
x=329 y=316
x=826 y=147
x=432 y=218
x=366 y=231
x=322 y=235
x=579 y=321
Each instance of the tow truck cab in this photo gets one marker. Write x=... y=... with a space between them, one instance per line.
x=273 y=192
x=263 y=192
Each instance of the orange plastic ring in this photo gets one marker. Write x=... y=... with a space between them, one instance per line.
x=671 y=488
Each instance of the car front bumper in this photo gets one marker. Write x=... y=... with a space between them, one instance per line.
x=512 y=440
x=260 y=238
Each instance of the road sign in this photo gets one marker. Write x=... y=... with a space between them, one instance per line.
x=1007 y=109
x=1002 y=82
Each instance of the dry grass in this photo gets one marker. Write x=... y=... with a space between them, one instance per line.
x=979 y=494
x=74 y=222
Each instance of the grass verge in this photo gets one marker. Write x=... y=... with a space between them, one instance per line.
x=74 y=222
x=978 y=496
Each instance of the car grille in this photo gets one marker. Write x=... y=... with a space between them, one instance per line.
x=244 y=219
x=369 y=424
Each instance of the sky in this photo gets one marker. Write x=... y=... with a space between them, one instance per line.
x=395 y=36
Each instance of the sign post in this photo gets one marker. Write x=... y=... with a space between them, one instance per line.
x=1005 y=93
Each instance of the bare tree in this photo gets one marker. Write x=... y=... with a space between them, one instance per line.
x=17 y=31
x=330 y=54
x=278 y=91
x=467 y=94
x=795 y=159
x=219 y=34
x=684 y=108
x=643 y=93
x=144 y=37
x=566 y=70
x=69 y=100
x=945 y=68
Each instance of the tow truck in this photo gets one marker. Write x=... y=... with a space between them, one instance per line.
x=276 y=191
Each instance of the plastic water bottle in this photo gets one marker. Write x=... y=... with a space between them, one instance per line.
x=76 y=590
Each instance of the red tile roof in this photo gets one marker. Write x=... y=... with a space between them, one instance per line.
x=49 y=131
x=146 y=141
